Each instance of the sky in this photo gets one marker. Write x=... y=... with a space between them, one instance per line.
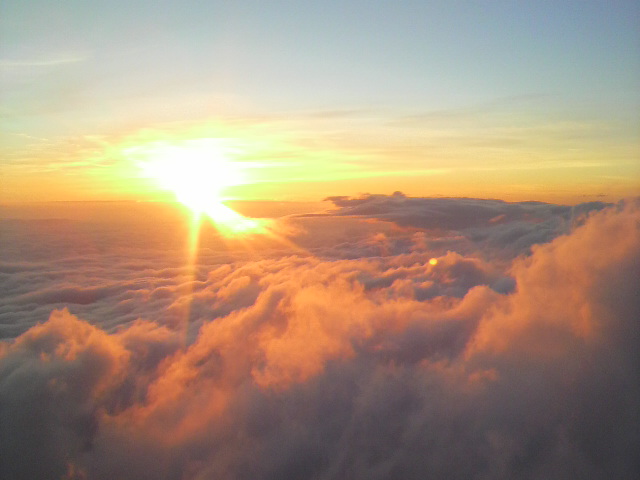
x=502 y=99
x=319 y=240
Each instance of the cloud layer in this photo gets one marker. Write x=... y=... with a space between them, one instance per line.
x=325 y=366
x=514 y=227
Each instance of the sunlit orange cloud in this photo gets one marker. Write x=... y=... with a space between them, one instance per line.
x=305 y=339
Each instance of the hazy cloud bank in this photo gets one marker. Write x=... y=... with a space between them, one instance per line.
x=492 y=224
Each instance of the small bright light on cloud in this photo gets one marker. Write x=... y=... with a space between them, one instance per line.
x=433 y=261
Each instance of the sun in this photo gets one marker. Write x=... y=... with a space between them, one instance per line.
x=197 y=178
x=197 y=172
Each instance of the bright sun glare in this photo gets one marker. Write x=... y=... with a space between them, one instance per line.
x=197 y=172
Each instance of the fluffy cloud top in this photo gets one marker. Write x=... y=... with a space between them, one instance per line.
x=516 y=226
x=378 y=367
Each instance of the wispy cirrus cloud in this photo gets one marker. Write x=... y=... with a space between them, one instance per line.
x=44 y=62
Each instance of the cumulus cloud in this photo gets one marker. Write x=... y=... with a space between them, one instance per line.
x=385 y=366
x=114 y=264
x=511 y=226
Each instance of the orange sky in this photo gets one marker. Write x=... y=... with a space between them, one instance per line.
x=307 y=159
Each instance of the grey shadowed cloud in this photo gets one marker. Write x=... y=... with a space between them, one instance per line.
x=513 y=227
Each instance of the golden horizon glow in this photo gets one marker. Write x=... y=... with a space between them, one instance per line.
x=302 y=159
